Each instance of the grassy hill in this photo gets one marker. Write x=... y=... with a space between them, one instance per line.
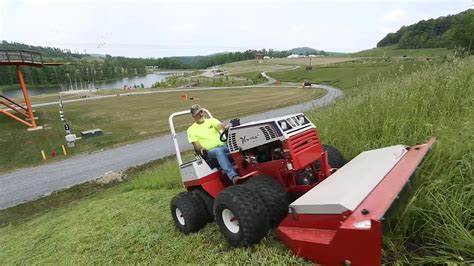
x=437 y=226
x=393 y=51
x=443 y=32
x=348 y=75
x=130 y=223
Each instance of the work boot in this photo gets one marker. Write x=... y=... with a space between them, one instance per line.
x=234 y=179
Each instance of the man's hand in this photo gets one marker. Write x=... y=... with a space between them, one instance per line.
x=199 y=149
x=223 y=126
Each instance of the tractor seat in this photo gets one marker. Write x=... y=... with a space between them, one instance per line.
x=212 y=162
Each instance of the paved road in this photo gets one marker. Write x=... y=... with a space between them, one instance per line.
x=31 y=183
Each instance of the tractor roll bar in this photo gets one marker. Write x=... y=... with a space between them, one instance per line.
x=173 y=131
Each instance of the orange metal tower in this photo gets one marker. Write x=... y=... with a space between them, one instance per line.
x=13 y=109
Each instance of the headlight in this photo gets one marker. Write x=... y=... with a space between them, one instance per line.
x=302 y=120
x=284 y=125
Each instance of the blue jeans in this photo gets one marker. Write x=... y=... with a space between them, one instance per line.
x=220 y=153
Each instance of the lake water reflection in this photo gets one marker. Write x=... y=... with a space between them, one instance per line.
x=147 y=81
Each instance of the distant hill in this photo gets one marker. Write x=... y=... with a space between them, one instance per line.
x=444 y=32
x=306 y=51
x=47 y=52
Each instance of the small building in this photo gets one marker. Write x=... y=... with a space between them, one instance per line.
x=259 y=56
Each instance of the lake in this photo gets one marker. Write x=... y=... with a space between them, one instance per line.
x=147 y=80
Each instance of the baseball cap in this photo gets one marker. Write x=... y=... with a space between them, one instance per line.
x=196 y=108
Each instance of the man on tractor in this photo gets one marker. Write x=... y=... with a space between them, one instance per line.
x=204 y=135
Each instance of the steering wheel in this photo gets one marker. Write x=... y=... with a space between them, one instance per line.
x=223 y=136
x=234 y=122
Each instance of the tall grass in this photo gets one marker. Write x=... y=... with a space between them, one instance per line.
x=437 y=225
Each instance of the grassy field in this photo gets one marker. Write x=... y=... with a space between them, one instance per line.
x=223 y=81
x=130 y=222
x=315 y=61
x=126 y=119
x=349 y=74
x=277 y=64
x=392 y=51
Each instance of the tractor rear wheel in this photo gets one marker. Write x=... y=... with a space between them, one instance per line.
x=240 y=216
x=208 y=203
x=188 y=212
x=273 y=195
x=335 y=157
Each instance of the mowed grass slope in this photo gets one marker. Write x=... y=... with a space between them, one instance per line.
x=392 y=51
x=349 y=74
x=126 y=119
x=127 y=224
x=131 y=223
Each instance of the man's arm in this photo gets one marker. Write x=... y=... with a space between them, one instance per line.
x=198 y=148
x=221 y=125
x=224 y=125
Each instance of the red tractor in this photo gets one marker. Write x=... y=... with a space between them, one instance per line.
x=323 y=208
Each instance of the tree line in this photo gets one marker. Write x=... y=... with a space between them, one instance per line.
x=455 y=31
x=88 y=68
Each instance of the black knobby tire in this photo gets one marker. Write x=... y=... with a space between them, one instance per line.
x=247 y=212
x=208 y=203
x=273 y=195
x=190 y=216
x=335 y=157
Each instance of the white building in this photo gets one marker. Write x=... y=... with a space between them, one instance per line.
x=295 y=56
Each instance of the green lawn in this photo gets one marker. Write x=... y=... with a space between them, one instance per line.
x=222 y=81
x=278 y=64
x=126 y=119
x=350 y=74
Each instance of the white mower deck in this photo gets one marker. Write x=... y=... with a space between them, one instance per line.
x=349 y=186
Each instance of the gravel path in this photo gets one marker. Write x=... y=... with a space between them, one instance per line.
x=31 y=183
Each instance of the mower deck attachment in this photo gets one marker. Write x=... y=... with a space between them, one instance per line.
x=340 y=220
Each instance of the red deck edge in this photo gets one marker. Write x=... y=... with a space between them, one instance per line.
x=387 y=191
x=351 y=245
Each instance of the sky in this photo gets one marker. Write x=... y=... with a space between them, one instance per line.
x=145 y=28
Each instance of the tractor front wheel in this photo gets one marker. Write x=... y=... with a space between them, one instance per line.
x=208 y=203
x=240 y=216
x=188 y=212
x=335 y=157
x=274 y=197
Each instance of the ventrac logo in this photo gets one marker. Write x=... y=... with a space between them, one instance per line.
x=246 y=139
